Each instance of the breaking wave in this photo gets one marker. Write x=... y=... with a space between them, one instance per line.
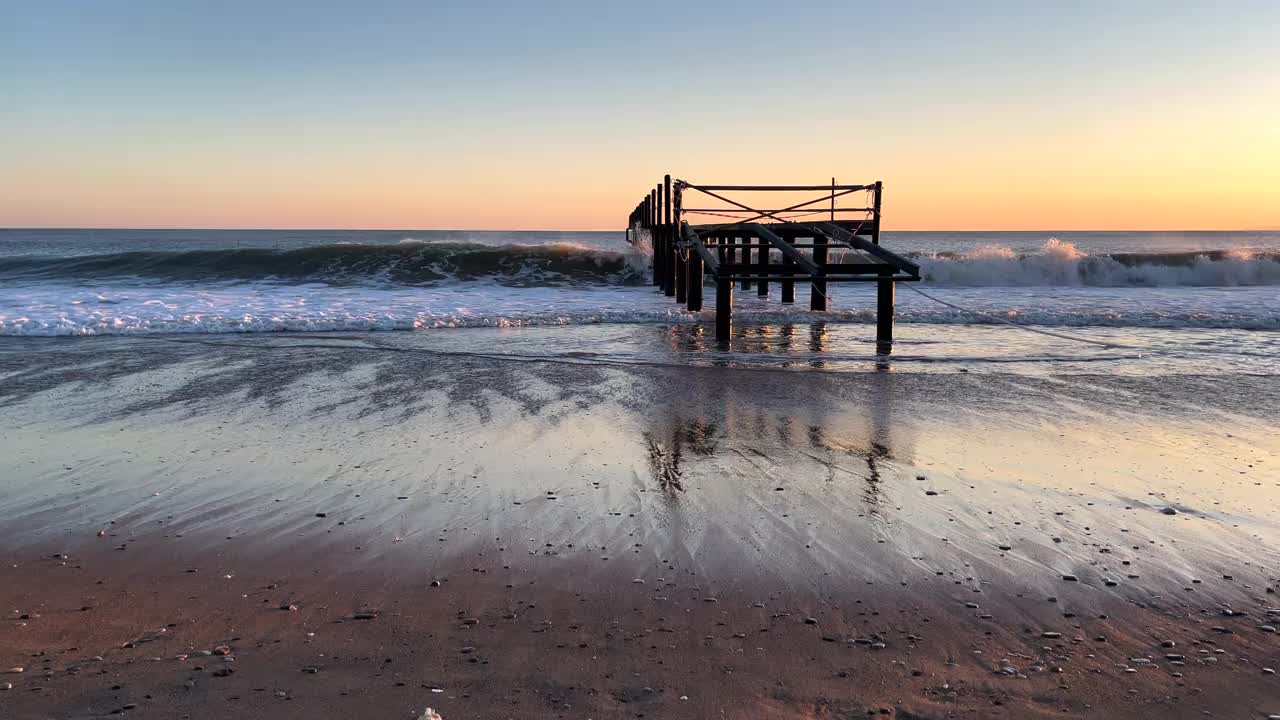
x=404 y=263
x=418 y=263
x=1062 y=264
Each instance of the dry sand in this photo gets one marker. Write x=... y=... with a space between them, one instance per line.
x=369 y=528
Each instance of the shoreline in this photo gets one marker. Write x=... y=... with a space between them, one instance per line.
x=877 y=504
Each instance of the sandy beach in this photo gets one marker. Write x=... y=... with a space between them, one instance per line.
x=324 y=526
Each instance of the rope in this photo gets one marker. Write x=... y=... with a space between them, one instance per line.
x=1009 y=322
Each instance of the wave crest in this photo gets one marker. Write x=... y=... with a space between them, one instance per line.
x=1061 y=263
x=409 y=262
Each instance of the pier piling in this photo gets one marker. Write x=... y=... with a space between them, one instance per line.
x=886 y=290
x=818 y=287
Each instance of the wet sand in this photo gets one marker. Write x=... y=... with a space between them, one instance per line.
x=370 y=527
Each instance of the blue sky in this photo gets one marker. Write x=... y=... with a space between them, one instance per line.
x=428 y=105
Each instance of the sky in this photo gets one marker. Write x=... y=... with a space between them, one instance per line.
x=509 y=114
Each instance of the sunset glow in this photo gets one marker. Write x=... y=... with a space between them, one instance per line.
x=416 y=117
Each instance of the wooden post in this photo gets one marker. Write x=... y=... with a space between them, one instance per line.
x=693 y=273
x=724 y=308
x=653 y=240
x=668 y=240
x=818 y=290
x=655 y=208
x=745 y=257
x=762 y=261
x=676 y=287
x=788 y=286
x=875 y=229
x=885 y=295
x=730 y=253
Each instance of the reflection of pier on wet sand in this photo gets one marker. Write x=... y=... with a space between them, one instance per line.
x=727 y=424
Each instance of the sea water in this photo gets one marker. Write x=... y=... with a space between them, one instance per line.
x=1217 y=291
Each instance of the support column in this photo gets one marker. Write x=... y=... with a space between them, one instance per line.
x=788 y=286
x=682 y=261
x=745 y=258
x=693 y=272
x=875 y=229
x=762 y=262
x=886 y=292
x=650 y=227
x=668 y=242
x=818 y=290
x=724 y=309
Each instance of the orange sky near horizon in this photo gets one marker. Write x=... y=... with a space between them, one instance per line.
x=1072 y=118
x=1011 y=186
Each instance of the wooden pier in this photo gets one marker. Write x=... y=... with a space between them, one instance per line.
x=763 y=247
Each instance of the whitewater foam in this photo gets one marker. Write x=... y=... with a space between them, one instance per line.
x=271 y=307
x=323 y=281
x=1061 y=263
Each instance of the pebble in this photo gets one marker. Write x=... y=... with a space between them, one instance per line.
x=1268 y=671
x=1168 y=511
x=971 y=605
x=930 y=492
x=1050 y=635
x=1070 y=578
x=1267 y=628
x=1005 y=547
x=810 y=621
x=310 y=670
x=15 y=670
x=290 y=608
x=222 y=650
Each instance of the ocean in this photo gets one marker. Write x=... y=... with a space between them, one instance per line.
x=1217 y=291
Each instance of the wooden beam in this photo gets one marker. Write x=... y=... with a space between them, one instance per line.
x=796 y=256
x=891 y=258
x=696 y=243
x=778 y=188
